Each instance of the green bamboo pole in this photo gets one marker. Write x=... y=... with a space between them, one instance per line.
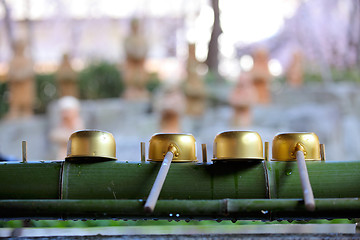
x=294 y=209
x=328 y=179
x=119 y=180
x=255 y=209
x=40 y=180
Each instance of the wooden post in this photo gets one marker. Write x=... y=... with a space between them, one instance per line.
x=266 y=151
x=24 y=152
x=142 y=149
x=322 y=152
x=204 y=152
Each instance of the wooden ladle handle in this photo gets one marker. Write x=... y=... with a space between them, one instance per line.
x=305 y=182
x=159 y=181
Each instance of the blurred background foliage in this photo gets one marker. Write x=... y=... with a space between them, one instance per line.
x=4 y=106
x=45 y=91
x=100 y=80
x=153 y=82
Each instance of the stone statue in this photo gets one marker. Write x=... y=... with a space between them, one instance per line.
x=66 y=78
x=242 y=98
x=70 y=121
x=171 y=105
x=294 y=74
x=194 y=86
x=135 y=75
x=21 y=78
x=261 y=75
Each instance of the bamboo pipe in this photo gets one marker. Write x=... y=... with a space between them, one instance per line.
x=304 y=179
x=221 y=209
x=160 y=179
x=43 y=180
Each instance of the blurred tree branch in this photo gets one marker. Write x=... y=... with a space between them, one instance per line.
x=354 y=30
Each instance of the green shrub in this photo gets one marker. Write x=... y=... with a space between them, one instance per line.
x=46 y=91
x=337 y=75
x=153 y=83
x=341 y=75
x=211 y=78
x=100 y=80
x=4 y=104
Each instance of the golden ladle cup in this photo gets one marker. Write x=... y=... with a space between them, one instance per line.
x=238 y=146
x=172 y=143
x=91 y=144
x=299 y=146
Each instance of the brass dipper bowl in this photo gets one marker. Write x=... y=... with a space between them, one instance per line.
x=238 y=146
x=183 y=144
x=286 y=144
x=91 y=143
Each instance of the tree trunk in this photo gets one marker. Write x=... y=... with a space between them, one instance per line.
x=212 y=60
x=29 y=28
x=8 y=24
